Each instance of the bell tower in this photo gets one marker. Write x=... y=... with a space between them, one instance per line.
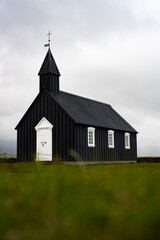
x=49 y=73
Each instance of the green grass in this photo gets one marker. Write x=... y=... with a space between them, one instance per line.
x=104 y=202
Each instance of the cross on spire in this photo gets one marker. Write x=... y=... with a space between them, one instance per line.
x=49 y=39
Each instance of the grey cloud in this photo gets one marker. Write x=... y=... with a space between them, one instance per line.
x=107 y=50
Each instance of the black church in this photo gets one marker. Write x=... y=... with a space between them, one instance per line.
x=71 y=127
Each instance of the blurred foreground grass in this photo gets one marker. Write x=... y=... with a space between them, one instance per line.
x=72 y=202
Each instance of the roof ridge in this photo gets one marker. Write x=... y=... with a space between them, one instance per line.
x=85 y=98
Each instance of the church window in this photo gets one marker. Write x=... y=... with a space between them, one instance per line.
x=127 y=140
x=111 y=139
x=91 y=137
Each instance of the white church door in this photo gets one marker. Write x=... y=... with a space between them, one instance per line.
x=44 y=140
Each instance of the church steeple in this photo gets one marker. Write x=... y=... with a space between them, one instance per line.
x=49 y=74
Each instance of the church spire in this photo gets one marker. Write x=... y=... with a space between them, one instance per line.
x=49 y=65
x=49 y=74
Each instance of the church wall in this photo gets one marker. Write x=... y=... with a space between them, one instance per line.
x=63 y=133
x=70 y=141
x=101 y=152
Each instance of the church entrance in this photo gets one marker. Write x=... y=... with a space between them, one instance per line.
x=44 y=140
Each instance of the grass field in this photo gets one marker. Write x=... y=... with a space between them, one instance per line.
x=104 y=202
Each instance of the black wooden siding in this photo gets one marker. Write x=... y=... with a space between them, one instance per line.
x=63 y=135
x=49 y=82
x=101 y=151
x=68 y=136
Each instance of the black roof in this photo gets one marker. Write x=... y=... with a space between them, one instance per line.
x=90 y=112
x=87 y=112
x=82 y=110
x=49 y=65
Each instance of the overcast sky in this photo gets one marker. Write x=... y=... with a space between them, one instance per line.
x=108 y=50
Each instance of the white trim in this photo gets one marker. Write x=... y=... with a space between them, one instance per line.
x=91 y=130
x=111 y=133
x=127 y=143
x=44 y=125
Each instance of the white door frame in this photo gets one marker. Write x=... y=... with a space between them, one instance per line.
x=44 y=124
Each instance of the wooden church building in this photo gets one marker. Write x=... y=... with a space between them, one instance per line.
x=72 y=127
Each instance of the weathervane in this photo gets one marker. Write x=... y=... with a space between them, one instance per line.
x=49 y=39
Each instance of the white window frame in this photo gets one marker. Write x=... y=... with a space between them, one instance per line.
x=91 y=129
x=111 y=132
x=127 y=135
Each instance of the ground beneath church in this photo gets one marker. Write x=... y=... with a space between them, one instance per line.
x=40 y=201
